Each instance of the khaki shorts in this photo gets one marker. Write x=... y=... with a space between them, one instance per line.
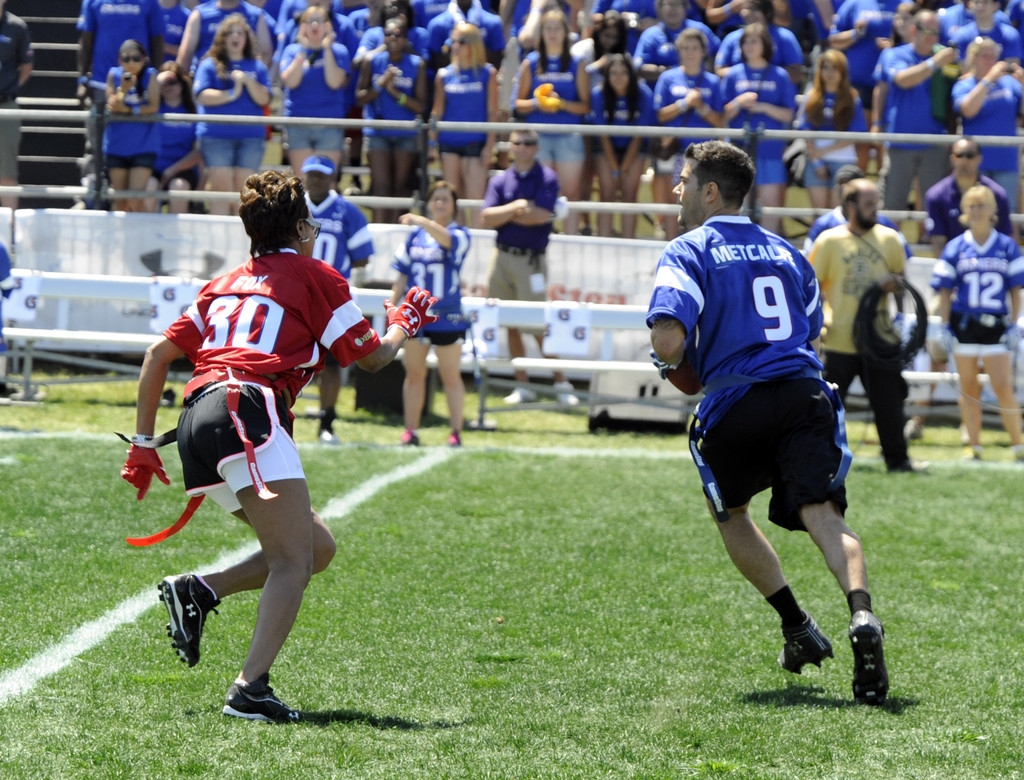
x=509 y=277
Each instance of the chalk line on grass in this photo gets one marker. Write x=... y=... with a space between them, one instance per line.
x=21 y=680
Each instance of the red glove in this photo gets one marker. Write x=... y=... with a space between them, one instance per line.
x=139 y=468
x=411 y=314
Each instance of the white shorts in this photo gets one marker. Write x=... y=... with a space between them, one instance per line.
x=277 y=459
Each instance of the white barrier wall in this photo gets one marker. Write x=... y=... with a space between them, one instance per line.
x=582 y=269
x=587 y=270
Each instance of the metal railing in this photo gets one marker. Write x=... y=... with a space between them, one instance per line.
x=750 y=136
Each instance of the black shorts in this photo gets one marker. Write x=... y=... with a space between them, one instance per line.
x=206 y=435
x=779 y=435
x=977 y=329
x=145 y=160
x=442 y=338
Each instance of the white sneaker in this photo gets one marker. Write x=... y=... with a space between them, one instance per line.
x=566 y=394
x=326 y=437
x=520 y=395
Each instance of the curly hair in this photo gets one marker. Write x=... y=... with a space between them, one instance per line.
x=219 y=48
x=846 y=96
x=272 y=204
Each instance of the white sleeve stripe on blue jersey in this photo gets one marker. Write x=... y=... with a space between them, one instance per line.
x=360 y=237
x=1015 y=267
x=678 y=279
x=460 y=246
x=345 y=316
x=944 y=270
x=812 y=305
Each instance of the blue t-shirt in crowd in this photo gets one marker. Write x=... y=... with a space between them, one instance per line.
x=674 y=84
x=465 y=100
x=210 y=18
x=657 y=44
x=644 y=115
x=772 y=85
x=175 y=19
x=439 y=30
x=244 y=105
x=863 y=54
x=385 y=106
x=787 y=49
x=910 y=109
x=176 y=139
x=564 y=82
x=998 y=116
x=1004 y=34
x=312 y=97
x=127 y=139
x=113 y=23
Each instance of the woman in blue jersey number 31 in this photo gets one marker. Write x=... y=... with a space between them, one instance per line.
x=433 y=255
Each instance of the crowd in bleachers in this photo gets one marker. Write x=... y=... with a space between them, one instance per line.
x=933 y=66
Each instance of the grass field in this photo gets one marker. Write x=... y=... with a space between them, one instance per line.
x=543 y=603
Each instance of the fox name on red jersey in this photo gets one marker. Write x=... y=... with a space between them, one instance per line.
x=274 y=314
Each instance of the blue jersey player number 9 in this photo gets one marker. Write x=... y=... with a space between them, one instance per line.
x=770 y=302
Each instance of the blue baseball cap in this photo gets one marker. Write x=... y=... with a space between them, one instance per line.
x=317 y=164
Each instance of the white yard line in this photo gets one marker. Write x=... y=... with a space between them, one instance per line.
x=15 y=682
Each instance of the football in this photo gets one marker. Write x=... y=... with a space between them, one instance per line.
x=684 y=378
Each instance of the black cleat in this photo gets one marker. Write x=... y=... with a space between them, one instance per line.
x=188 y=602
x=256 y=701
x=870 y=677
x=805 y=644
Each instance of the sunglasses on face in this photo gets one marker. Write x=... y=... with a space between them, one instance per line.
x=965 y=155
x=394 y=34
x=524 y=143
x=131 y=58
x=313 y=224
x=460 y=41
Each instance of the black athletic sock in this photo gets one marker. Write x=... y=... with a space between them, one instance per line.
x=858 y=600
x=327 y=418
x=784 y=602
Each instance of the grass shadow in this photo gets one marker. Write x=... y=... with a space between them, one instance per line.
x=382 y=722
x=815 y=696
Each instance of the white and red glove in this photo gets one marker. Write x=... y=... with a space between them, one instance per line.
x=142 y=463
x=411 y=314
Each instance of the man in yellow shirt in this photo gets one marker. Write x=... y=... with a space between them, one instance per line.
x=848 y=261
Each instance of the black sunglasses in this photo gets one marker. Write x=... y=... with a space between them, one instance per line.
x=131 y=58
x=965 y=155
x=523 y=143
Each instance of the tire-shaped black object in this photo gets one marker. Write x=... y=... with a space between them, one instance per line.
x=874 y=329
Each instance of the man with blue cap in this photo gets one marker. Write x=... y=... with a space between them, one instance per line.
x=345 y=243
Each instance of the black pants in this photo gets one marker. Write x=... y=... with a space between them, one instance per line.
x=886 y=391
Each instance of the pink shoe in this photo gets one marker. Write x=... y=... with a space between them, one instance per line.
x=410 y=439
x=454 y=440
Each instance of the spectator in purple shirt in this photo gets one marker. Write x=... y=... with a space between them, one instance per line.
x=942 y=200
x=520 y=204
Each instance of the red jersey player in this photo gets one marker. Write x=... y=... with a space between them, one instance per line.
x=257 y=335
